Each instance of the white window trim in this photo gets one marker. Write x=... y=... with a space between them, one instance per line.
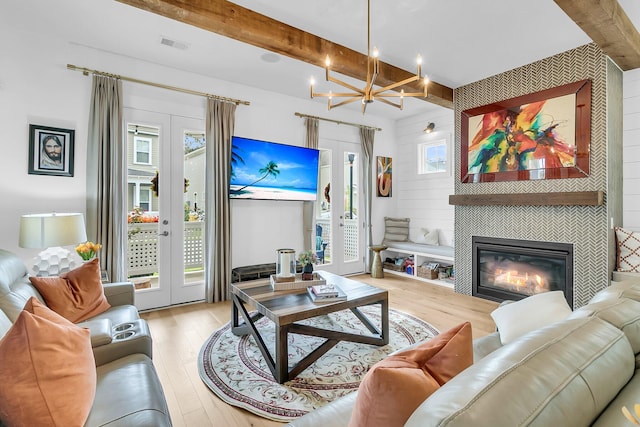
x=432 y=142
x=150 y=197
x=136 y=140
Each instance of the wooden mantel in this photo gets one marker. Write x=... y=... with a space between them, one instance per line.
x=576 y=198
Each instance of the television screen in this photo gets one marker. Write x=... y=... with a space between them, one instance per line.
x=266 y=170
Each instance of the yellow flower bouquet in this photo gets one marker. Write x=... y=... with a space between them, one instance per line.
x=88 y=250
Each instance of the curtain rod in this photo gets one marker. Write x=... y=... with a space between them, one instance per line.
x=86 y=72
x=338 y=122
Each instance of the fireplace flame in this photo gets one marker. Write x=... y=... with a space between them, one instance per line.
x=520 y=282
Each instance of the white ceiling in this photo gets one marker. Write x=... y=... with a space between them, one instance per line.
x=461 y=41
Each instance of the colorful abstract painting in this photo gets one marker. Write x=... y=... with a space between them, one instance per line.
x=542 y=138
x=383 y=179
x=539 y=135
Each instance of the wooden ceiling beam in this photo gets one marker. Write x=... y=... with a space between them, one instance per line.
x=606 y=22
x=242 y=24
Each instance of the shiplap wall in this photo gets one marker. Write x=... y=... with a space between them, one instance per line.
x=631 y=150
x=424 y=198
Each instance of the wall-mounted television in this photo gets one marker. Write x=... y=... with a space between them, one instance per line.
x=270 y=171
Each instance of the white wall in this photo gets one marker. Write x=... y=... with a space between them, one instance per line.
x=631 y=150
x=36 y=88
x=424 y=198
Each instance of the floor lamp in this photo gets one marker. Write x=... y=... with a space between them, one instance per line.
x=51 y=231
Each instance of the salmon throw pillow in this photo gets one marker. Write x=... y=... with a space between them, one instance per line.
x=397 y=385
x=77 y=295
x=48 y=370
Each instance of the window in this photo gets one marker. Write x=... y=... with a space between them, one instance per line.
x=144 y=200
x=142 y=150
x=432 y=157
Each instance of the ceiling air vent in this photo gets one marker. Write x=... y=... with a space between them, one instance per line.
x=174 y=43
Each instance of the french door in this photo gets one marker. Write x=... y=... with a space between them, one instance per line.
x=165 y=197
x=340 y=209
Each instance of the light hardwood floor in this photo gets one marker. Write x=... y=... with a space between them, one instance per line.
x=179 y=333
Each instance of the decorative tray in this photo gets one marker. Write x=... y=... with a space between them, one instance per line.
x=298 y=283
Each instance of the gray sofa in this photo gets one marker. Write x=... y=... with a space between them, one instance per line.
x=128 y=390
x=577 y=372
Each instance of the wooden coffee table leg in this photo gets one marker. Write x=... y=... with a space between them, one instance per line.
x=282 y=354
x=384 y=307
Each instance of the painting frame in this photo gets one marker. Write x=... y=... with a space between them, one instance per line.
x=579 y=113
x=384 y=176
x=51 y=151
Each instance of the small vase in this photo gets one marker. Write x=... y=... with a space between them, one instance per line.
x=307 y=272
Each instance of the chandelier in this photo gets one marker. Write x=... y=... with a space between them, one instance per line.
x=369 y=93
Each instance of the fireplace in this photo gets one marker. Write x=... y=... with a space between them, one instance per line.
x=509 y=269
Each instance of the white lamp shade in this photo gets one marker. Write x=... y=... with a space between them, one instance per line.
x=51 y=229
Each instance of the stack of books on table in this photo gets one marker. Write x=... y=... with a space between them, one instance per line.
x=326 y=293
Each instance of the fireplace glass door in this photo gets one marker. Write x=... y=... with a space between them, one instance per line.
x=515 y=269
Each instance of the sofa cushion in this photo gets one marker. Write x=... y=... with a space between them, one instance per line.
x=396 y=229
x=562 y=375
x=47 y=370
x=623 y=313
x=76 y=295
x=531 y=313
x=398 y=384
x=627 y=289
x=628 y=256
x=129 y=393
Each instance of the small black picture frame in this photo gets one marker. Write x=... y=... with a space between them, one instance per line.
x=50 y=151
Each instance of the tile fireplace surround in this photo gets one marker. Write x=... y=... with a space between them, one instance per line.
x=586 y=227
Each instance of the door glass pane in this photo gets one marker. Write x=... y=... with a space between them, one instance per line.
x=142 y=205
x=194 y=198
x=351 y=245
x=323 y=210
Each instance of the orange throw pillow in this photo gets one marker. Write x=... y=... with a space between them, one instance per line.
x=77 y=295
x=48 y=370
x=397 y=385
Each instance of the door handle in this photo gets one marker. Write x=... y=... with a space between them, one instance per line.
x=164 y=233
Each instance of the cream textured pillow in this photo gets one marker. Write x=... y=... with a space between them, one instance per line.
x=628 y=243
x=534 y=312
x=431 y=237
x=396 y=229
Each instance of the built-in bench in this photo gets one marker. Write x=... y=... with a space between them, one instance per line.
x=421 y=253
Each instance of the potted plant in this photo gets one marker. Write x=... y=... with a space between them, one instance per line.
x=307 y=259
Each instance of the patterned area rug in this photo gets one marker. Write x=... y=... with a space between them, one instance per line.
x=234 y=369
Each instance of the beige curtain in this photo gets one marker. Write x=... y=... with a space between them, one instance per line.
x=366 y=140
x=219 y=130
x=308 y=208
x=106 y=176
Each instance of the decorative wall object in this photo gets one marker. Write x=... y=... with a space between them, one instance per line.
x=543 y=135
x=384 y=176
x=50 y=151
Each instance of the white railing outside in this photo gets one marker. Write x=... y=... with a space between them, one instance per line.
x=143 y=247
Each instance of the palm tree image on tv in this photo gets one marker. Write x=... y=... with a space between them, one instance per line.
x=266 y=170
x=270 y=170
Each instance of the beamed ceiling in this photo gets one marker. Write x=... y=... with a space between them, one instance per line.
x=604 y=21
x=278 y=45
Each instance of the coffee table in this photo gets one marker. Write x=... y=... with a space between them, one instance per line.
x=285 y=308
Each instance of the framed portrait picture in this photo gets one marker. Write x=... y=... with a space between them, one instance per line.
x=543 y=135
x=384 y=176
x=50 y=151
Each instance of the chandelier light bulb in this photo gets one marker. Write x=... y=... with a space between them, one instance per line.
x=330 y=95
x=419 y=60
x=426 y=80
x=375 y=52
x=312 y=81
x=327 y=61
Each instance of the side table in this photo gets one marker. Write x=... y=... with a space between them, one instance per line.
x=376 y=265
